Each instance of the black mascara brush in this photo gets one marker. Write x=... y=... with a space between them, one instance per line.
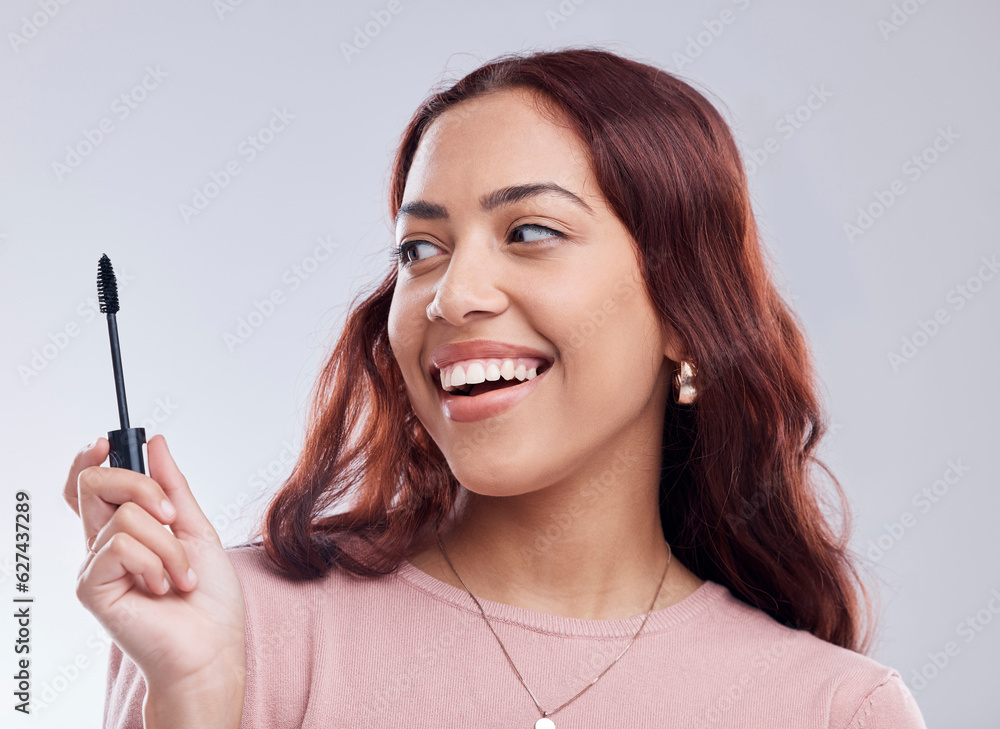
x=126 y=443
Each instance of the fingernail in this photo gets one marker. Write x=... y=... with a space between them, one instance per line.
x=167 y=508
x=166 y=585
x=191 y=576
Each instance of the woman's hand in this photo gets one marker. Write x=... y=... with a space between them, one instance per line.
x=184 y=630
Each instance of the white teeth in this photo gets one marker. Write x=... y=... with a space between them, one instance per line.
x=475 y=374
x=462 y=378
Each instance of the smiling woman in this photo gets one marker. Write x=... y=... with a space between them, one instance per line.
x=575 y=419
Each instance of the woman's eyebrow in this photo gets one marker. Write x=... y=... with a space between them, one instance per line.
x=424 y=210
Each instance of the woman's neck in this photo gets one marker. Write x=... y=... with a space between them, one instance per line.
x=555 y=551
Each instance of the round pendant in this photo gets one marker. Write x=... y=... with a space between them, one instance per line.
x=545 y=723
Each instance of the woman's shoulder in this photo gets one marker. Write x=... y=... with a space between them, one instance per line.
x=282 y=639
x=854 y=689
x=288 y=618
x=271 y=591
x=281 y=610
x=262 y=579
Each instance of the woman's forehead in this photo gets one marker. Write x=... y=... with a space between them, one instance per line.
x=501 y=124
x=500 y=142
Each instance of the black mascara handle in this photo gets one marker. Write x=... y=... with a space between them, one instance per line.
x=126 y=448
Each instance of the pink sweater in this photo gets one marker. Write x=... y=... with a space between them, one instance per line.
x=407 y=650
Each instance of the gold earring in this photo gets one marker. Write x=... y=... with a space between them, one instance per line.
x=685 y=391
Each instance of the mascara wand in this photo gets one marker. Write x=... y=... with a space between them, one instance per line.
x=126 y=443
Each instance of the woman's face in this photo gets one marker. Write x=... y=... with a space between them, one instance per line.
x=555 y=275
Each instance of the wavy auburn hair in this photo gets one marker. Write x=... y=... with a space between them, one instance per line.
x=740 y=504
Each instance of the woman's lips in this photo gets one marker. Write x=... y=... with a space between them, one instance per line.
x=466 y=409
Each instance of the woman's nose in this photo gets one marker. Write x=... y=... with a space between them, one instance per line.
x=469 y=288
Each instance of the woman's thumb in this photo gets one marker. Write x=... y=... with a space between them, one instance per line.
x=163 y=469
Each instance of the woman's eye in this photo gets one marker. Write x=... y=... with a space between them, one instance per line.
x=533 y=226
x=402 y=252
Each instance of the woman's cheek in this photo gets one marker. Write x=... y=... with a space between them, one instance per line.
x=406 y=332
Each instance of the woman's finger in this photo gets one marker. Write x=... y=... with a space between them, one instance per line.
x=92 y=455
x=133 y=520
x=121 y=557
x=190 y=519
x=102 y=490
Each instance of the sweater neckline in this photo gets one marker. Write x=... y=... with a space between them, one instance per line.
x=707 y=594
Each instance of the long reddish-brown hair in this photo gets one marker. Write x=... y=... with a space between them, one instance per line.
x=740 y=501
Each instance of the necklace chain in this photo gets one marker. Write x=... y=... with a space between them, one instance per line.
x=544 y=713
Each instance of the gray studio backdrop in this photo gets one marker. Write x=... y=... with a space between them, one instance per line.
x=231 y=158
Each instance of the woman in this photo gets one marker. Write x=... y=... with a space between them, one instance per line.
x=617 y=524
